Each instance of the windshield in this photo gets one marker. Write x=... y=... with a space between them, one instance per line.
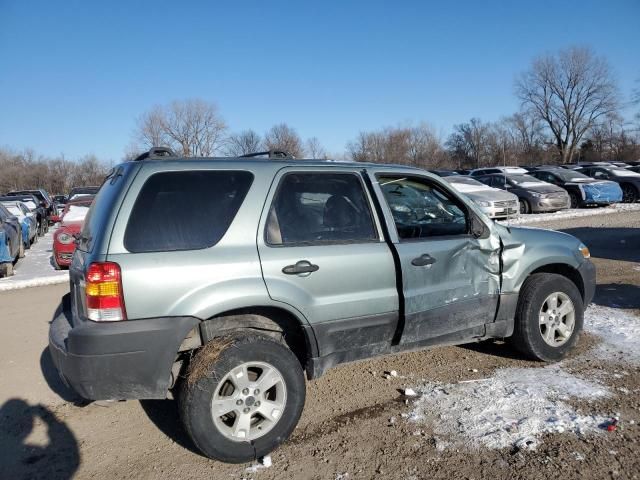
x=465 y=180
x=623 y=172
x=569 y=175
x=522 y=179
x=15 y=210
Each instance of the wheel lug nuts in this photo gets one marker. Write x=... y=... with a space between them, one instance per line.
x=238 y=402
x=245 y=391
x=257 y=404
x=256 y=391
x=246 y=410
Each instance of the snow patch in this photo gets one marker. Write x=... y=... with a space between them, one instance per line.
x=35 y=269
x=514 y=407
x=573 y=213
x=76 y=213
x=619 y=330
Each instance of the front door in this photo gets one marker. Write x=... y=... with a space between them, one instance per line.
x=450 y=278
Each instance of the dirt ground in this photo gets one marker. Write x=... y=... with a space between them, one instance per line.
x=346 y=430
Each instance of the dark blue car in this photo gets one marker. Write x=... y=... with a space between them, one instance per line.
x=583 y=190
x=11 y=246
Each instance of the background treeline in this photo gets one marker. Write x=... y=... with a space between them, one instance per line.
x=570 y=110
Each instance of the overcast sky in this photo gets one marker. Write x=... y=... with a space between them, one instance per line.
x=74 y=75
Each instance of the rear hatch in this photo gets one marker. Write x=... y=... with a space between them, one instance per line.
x=93 y=241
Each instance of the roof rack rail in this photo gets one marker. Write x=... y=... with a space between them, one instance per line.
x=155 y=152
x=269 y=154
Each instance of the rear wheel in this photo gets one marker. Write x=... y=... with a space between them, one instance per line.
x=242 y=397
x=524 y=206
x=629 y=193
x=549 y=317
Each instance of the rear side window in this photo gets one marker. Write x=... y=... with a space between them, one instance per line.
x=185 y=210
x=320 y=208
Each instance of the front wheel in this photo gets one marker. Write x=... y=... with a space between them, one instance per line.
x=524 y=207
x=21 y=250
x=549 y=317
x=573 y=198
x=6 y=269
x=242 y=397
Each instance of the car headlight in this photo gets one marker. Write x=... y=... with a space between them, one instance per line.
x=484 y=204
x=65 y=238
x=536 y=194
x=584 y=250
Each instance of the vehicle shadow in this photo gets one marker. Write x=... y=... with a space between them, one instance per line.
x=618 y=295
x=164 y=415
x=19 y=458
x=609 y=243
x=55 y=383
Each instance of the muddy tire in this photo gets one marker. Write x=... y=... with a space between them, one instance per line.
x=549 y=317
x=242 y=397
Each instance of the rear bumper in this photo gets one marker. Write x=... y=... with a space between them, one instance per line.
x=588 y=273
x=120 y=360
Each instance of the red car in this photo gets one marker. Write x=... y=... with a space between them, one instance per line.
x=71 y=220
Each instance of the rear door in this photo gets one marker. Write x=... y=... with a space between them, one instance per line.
x=322 y=251
x=450 y=279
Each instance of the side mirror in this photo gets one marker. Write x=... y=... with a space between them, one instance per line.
x=478 y=228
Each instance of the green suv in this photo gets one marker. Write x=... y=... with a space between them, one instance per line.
x=222 y=281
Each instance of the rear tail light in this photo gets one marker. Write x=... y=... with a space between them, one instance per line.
x=105 y=302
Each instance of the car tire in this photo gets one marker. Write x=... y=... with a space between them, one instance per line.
x=213 y=376
x=629 y=193
x=574 y=201
x=538 y=340
x=21 y=250
x=6 y=269
x=524 y=207
x=40 y=228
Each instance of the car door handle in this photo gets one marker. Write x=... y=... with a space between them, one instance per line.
x=423 y=260
x=301 y=266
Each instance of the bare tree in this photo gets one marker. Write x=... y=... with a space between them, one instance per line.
x=283 y=137
x=242 y=143
x=569 y=91
x=193 y=128
x=314 y=149
x=469 y=143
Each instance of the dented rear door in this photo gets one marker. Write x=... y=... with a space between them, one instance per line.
x=450 y=279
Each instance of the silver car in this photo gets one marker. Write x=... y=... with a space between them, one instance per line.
x=494 y=202
x=535 y=196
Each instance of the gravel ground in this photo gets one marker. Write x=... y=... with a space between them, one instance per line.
x=353 y=424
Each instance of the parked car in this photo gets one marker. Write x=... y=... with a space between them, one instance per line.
x=583 y=190
x=82 y=191
x=628 y=180
x=34 y=206
x=44 y=200
x=444 y=173
x=463 y=171
x=486 y=171
x=28 y=222
x=535 y=195
x=60 y=201
x=71 y=222
x=635 y=169
x=495 y=203
x=302 y=266
x=11 y=246
x=620 y=164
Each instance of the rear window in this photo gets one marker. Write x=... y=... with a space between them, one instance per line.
x=185 y=210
